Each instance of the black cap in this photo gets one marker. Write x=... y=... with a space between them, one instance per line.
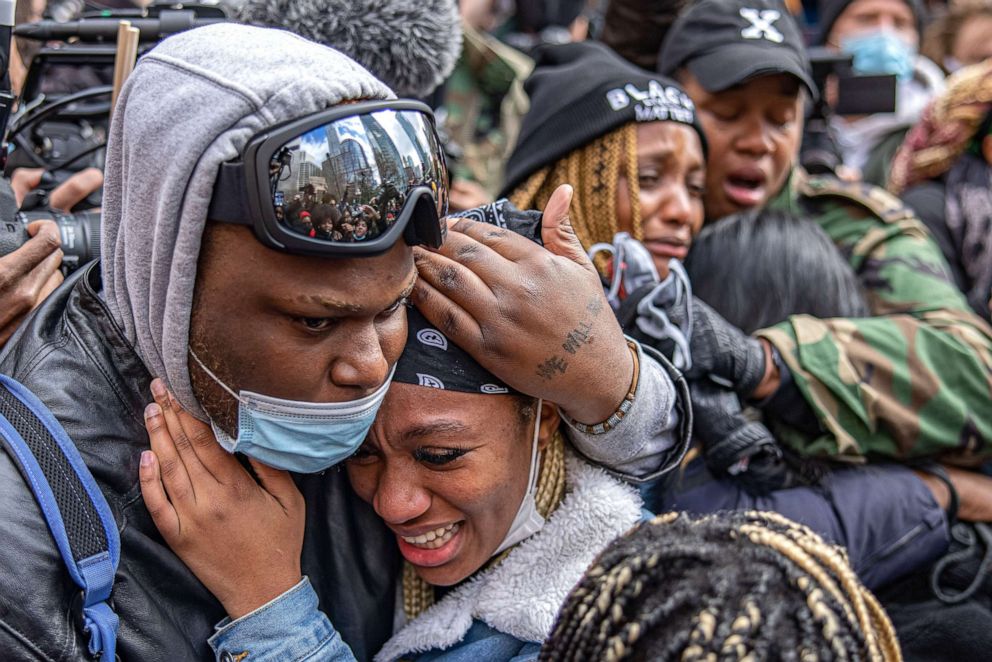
x=830 y=11
x=725 y=42
x=581 y=91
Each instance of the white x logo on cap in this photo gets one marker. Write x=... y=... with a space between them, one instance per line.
x=761 y=24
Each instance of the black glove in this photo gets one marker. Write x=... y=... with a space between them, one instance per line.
x=734 y=446
x=716 y=346
x=720 y=349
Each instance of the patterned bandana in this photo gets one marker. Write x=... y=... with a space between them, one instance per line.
x=430 y=359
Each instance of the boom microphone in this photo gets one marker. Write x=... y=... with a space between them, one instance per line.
x=411 y=45
x=170 y=21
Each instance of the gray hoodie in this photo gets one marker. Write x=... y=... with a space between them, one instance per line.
x=191 y=104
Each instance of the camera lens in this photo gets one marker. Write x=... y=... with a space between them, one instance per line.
x=80 y=235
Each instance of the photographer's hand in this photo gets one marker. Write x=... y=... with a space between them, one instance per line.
x=535 y=317
x=28 y=275
x=63 y=197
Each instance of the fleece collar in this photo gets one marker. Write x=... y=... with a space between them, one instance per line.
x=522 y=595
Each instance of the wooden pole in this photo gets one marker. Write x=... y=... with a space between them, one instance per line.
x=127 y=53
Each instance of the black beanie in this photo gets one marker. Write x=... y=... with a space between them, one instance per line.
x=581 y=91
x=830 y=11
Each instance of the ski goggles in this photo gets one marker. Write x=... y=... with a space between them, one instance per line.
x=344 y=182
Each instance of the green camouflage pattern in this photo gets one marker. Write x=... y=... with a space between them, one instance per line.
x=913 y=381
x=484 y=103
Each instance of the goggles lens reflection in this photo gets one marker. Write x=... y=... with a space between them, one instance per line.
x=348 y=181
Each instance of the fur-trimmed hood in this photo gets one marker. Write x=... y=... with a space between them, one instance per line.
x=522 y=595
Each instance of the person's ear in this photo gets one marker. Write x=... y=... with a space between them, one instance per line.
x=550 y=420
x=987 y=149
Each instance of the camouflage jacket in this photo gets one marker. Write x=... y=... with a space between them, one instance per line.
x=913 y=381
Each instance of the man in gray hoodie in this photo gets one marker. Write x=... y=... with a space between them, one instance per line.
x=226 y=321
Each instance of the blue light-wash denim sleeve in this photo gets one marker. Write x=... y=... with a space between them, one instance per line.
x=483 y=643
x=289 y=628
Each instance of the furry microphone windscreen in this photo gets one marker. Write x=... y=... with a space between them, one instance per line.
x=410 y=45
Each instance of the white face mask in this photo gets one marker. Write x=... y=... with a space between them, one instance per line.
x=527 y=521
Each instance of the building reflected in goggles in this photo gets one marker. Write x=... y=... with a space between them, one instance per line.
x=348 y=180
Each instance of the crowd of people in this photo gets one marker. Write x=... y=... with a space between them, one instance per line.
x=327 y=218
x=635 y=384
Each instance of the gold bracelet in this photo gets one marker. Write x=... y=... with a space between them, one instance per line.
x=625 y=405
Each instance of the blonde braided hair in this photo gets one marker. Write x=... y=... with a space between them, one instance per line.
x=668 y=591
x=418 y=595
x=594 y=171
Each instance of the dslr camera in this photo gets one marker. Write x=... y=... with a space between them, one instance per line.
x=64 y=113
x=80 y=234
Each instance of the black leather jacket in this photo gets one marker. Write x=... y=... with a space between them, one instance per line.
x=75 y=358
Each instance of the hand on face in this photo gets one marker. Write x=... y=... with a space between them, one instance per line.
x=242 y=538
x=535 y=317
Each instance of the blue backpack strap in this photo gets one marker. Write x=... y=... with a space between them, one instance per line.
x=74 y=508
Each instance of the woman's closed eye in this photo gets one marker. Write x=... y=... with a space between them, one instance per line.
x=782 y=115
x=439 y=456
x=696 y=184
x=724 y=112
x=647 y=178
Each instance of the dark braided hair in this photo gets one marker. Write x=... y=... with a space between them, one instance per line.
x=733 y=586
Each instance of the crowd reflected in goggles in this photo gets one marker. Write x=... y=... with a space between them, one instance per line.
x=348 y=181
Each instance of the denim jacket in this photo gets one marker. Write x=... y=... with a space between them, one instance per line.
x=500 y=614
x=289 y=628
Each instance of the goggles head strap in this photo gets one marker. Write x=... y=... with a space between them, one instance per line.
x=229 y=202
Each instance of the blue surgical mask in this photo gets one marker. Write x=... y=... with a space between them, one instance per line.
x=881 y=52
x=304 y=437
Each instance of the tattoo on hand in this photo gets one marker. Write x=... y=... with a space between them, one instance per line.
x=595 y=306
x=553 y=365
x=577 y=337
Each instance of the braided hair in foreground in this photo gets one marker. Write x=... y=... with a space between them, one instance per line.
x=748 y=586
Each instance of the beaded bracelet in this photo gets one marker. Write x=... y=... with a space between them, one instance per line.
x=625 y=405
